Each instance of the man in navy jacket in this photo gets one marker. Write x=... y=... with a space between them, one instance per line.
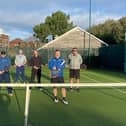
x=4 y=70
x=56 y=66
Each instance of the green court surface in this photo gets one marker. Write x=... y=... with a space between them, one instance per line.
x=89 y=107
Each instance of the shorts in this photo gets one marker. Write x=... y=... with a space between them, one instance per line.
x=57 y=80
x=74 y=73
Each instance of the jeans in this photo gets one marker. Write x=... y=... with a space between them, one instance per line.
x=5 y=78
x=20 y=71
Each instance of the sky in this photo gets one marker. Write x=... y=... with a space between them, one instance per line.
x=18 y=17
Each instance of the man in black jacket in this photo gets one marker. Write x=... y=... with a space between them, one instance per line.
x=36 y=63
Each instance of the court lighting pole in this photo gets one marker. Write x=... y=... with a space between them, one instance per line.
x=90 y=6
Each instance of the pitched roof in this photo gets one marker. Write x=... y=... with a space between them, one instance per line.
x=65 y=34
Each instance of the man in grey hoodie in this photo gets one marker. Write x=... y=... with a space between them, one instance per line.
x=20 y=62
x=74 y=60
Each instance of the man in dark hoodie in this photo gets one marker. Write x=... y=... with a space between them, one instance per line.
x=36 y=63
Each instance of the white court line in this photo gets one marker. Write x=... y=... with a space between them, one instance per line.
x=108 y=78
x=90 y=78
x=96 y=81
x=119 y=90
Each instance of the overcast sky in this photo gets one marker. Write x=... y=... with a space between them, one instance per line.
x=17 y=17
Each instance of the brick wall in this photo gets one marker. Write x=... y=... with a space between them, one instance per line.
x=75 y=38
x=4 y=39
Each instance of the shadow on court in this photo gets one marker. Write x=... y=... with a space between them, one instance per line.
x=10 y=110
x=17 y=100
x=57 y=115
x=48 y=93
x=5 y=117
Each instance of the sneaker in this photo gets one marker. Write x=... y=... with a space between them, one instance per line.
x=56 y=100
x=41 y=89
x=71 y=89
x=65 y=101
x=10 y=94
x=30 y=88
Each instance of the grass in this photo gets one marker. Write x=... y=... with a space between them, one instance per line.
x=90 y=107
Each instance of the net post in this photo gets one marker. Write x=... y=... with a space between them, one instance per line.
x=27 y=101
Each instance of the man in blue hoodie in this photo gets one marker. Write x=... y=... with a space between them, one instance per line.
x=56 y=66
x=4 y=70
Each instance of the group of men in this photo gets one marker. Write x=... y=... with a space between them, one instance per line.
x=56 y=66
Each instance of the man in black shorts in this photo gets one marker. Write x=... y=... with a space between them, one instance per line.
x=75 y=60
x=56 y=66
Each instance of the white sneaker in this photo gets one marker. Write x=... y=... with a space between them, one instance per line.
x=10 y=94
x=65 y=101
x=56 y=100
x=41 y=89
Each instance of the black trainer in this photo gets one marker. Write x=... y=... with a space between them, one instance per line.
x=10 y=93
x=56 y=100
x=65 y=101
x=71 y=89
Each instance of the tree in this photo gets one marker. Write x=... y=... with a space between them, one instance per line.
x=111 y=32
x=56 y=24
x=123 y=23
x=41 y=31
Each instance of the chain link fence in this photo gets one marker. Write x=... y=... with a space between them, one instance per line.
x=105 y=57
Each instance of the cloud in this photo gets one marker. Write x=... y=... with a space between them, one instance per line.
x=1 y=31
x=17 y=18
x=82 y=19
x=100 y=18
x=26 y=19
x=20 y=24
x=17 y=33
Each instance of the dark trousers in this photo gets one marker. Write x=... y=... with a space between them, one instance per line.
x=5 y=78
x=36 y=73
x=20 y=71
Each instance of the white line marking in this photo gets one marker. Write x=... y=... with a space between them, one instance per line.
x=116 y=89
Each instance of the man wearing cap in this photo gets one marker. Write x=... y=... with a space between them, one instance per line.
x=20 y=62
x=5 y=63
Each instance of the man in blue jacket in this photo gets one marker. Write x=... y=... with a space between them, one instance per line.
x=56 y=66
x=4 y=70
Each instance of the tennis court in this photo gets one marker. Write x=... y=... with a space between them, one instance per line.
x=89 y=107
